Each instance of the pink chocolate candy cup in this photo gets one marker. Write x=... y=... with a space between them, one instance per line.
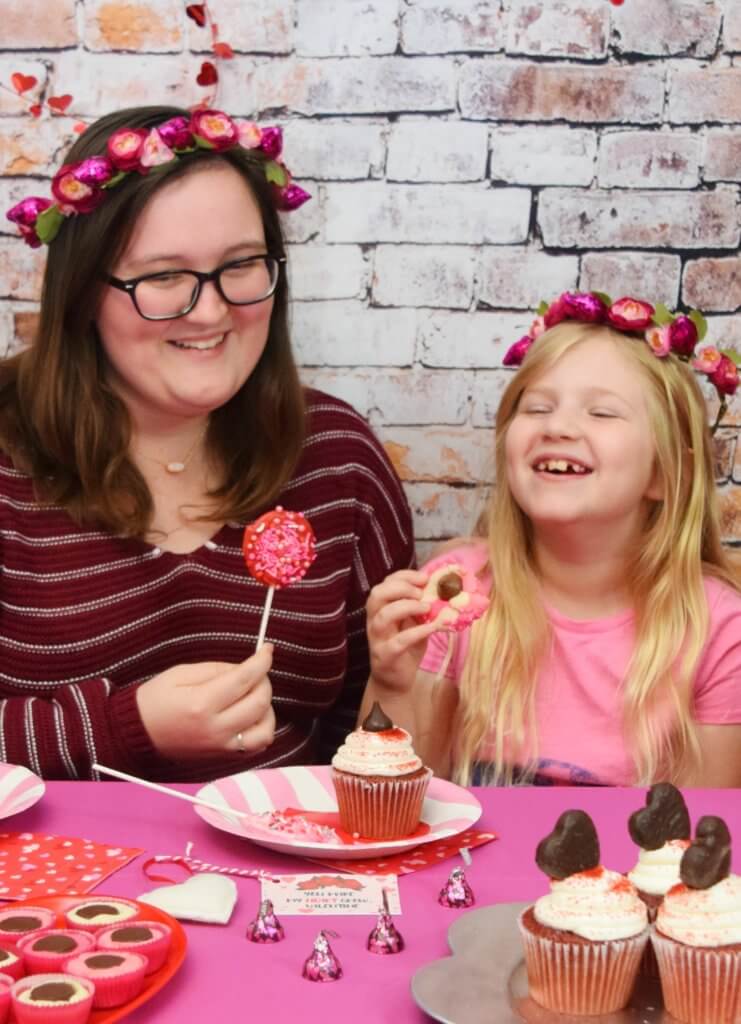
x=121 y=938
x=128 y=911
x=47 y=1012
x=115 y=983
x=11 y=963
x=50 y=960
x=6 y=983
x=19 y=921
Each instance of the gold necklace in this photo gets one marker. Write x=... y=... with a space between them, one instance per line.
x=175 y=466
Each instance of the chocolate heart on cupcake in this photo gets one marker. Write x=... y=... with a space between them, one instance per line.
x=572 y=846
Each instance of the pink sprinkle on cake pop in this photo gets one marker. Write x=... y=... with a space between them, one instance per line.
x=279 y=547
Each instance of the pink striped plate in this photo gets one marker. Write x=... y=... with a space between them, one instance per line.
x=19 y=789
x=448 y=809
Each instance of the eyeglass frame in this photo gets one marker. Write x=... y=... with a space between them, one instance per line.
x=129 y=285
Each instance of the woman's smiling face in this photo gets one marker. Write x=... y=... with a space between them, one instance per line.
x=579 y=448
x=173 y=369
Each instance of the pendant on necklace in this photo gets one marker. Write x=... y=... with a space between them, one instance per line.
x=175 y=467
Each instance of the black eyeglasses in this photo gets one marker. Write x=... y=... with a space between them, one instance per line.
x=173 y=293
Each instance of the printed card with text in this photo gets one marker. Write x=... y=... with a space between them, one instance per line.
x=329 y=893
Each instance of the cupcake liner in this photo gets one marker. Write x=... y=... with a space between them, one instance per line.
x=6 y=983
x=15 y=969
x=50 y=1013
x=46 y=961
x=380 y=808
x=111 y=989
x=10 y=938
x=155 y=949
x=701 y=985
x=583 y=978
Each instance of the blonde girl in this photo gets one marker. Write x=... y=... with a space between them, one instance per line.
x=611 y=649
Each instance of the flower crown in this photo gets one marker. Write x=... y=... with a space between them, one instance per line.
x=81 y=187
x=666 y=333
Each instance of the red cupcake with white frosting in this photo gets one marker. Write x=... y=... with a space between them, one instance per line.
x=697 y=935
x=379 y=780
x=150 y=938
x=117 y=977
x=47 y=951
x=585 y=939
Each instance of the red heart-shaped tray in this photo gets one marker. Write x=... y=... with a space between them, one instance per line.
x=155 y=981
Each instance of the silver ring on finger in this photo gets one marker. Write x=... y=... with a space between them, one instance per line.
x=240 y=743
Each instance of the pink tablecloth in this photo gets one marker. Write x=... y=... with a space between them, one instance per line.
x=225 y=978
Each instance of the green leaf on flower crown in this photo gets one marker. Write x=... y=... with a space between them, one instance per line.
x=603 y=297
x=115 y=179
x=700 y=323
x=732 y=354
x=276 y=173
x=662 y=316
x=48 y=223
x=542 y=308
x=203 y=143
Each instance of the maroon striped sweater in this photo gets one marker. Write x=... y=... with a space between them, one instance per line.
x=85 y=616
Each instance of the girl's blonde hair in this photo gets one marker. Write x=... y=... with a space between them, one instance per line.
x=680 y=544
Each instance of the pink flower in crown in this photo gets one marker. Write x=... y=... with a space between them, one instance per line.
x=290 y=197
x=77 y=186
x=155 y=152
x=176 y=133
x=215 y=127
x=249 y=134
x=683 y=336
x=537 y=327
x=24 y=215
x=582 y=306
x=517 y=352
x=708 y=360
x=658 y=339
x=124 y=148
x=630 y=314
x=271 y=141
x=725 y=377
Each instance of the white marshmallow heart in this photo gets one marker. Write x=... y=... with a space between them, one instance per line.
x=204 y=897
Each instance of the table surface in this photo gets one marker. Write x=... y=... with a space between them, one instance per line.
x=232 y=979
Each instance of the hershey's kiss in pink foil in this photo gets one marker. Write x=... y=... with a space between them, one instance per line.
x=385 y=938
x=322 y=964
x=456 y=892
x=266 y=927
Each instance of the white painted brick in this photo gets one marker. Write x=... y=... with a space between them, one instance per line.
x=264 y=27
x=135 y=26
x=724 y=331
x=543 y=156
x=36 y=147
x=722 y=154
x=327 y=271
x=356 y=85
x=405 y=397
x=649 y=160
x=442 y=511
x=664 y=27
x=102 y=82
x=445 y=454
x=10 y=103
x=488 y=386
x=468 y=214
x=468 y=340
x=518 y=278
x=698 y=94
x=423 y=275
x=331 y=150
x=7 y=330
x=560 y=28
x=447 y=26
x=346 y=333
x=12 y=190
x=436 y=151
x=732 y=26
x=616 y=219
x=307 y=222
x=325 y=28
x=21 y=268
x=646 y=275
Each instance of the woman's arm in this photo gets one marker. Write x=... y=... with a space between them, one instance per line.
x=720 y=757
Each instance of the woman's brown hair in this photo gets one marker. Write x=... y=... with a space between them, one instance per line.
x=61 y=421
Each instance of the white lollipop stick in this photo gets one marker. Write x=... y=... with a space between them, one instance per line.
x=264 y=619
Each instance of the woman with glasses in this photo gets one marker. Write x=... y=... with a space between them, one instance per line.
x=157 y=412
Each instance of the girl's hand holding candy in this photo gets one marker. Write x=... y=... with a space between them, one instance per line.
x=396 y=638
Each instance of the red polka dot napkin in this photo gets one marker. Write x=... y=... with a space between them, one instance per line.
x=33 y=864
x=412 y=860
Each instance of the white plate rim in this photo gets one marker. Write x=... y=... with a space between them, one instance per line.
x=440 y=790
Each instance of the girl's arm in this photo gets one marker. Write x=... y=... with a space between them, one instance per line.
x=720 y=758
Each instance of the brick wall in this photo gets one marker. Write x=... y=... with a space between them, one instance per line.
x=467 y=158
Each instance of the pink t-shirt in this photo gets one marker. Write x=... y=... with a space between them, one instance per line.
x=578 y=701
